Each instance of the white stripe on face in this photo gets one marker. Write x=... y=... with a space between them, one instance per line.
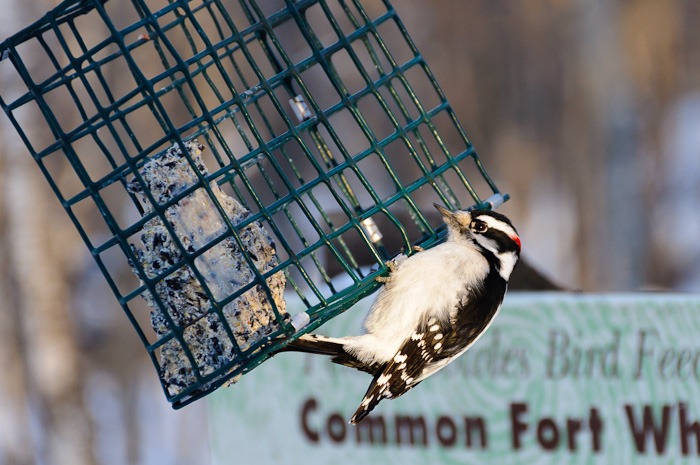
x=498 y=225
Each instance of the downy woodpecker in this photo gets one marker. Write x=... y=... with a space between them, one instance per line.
x=434 y=306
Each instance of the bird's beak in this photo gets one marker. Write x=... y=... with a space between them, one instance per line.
x=443 y=211
x=447 y=215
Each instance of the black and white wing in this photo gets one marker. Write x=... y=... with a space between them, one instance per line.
x=432 y=346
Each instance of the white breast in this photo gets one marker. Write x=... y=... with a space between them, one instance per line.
x=429 y=282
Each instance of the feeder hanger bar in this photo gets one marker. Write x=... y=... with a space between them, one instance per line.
x=369 y=226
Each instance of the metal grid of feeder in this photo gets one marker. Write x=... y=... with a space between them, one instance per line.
x=214 y=155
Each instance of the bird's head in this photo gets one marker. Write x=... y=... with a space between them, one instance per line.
x=488 y=230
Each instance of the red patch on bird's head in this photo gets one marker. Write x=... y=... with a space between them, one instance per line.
x=516 y=239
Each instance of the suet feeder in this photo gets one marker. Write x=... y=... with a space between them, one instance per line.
x=215 y=155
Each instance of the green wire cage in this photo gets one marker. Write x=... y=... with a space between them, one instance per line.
x=221 y=157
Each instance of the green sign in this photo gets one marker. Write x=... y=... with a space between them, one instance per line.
x=559 y=378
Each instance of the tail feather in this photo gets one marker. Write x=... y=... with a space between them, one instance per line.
x=371 y=399
x=317 y=344
x=333 y=347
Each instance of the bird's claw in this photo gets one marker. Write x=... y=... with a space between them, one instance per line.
x=393 y=265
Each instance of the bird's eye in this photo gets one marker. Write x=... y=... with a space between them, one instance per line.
x=479 y=226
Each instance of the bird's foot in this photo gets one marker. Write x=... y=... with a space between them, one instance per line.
x=393 y=265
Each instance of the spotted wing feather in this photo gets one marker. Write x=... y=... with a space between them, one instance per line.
x=417 y=355
x=434 y=344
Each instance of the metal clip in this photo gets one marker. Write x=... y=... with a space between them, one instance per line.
x=372 y=230
x=301 y=110
x=300 y=320
x=496 y=200
x=492 y=203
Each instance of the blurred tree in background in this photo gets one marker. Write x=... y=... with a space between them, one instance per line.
x=587 y=113
x=573 y=107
